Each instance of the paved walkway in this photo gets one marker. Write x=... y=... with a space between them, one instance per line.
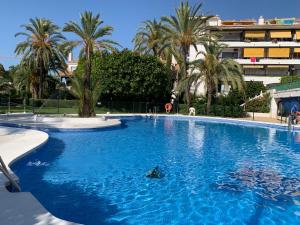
x=265 y=119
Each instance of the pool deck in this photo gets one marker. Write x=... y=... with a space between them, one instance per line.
x=265 y=119
x=58 y=122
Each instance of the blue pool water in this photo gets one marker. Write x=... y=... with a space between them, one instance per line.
x=214 y=174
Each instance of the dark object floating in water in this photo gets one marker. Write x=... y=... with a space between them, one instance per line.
x=155 y=173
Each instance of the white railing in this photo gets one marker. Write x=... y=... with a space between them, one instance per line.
x=242 y=44
x=6 y=173
x=267 y=61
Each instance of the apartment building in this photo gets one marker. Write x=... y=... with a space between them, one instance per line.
x=266 y=49
x=71 y=67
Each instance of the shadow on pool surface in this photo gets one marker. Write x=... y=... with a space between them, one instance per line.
x=67 y=200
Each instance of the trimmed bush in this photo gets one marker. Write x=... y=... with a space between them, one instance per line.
x=261 y=105
x=289 y=79
x=220 y=110
x=54 y=103
x=253 y=88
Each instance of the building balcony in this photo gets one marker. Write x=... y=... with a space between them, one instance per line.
x=243 y=44
x=267 y=61
x=265 y=79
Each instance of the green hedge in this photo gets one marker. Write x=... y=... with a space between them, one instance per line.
x=216 y=110
x=253 y=88
x=289 y=79
x=54 y=103
x=261 y=105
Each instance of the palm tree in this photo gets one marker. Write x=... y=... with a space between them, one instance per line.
x=90 y=33
x=150 y=39
x=77 y=90
x=188 y=28
x=42 y=51
x=212 y=70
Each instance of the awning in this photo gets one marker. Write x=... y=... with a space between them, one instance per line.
x=298 y=35
x=254 y=52
x=281 y=34
x=278 y=67
x=253 y=67
x=255 y=34
x=296 y=50
x=279 y=52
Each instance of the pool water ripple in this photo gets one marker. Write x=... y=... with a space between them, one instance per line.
x=214 y=174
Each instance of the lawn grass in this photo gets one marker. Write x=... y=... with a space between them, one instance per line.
x=64 y=110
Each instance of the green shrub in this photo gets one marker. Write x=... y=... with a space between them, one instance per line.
x=234 y=97
x=183 y=109
x=219 y=110
x=54 y=103
x=128 y=76
x=36 y=102
x=261 y=105
x=289 y=79
x=200 y=108
x=253 y=88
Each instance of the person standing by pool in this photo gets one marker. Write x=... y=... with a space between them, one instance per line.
x=173 y=100
x=293 y=113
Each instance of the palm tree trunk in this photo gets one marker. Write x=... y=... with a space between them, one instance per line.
x=34 y=91
x=188 y=96
x=40 y=93
x=35 y=86
x=40 y=73
x=209 y=97
x=185 y=50
x=155 y=52
x=27 y=91
x=86 y=106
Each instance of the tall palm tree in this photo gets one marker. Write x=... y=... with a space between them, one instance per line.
x=91 y=35
x=77 y=90
x=42 y=50
x=212 y=70
x=188 y=28
x=150 y=39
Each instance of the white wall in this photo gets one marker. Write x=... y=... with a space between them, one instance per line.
x=287 y=93
x=274 y=106
x=264 y=79
x=193 y=53
x=72 y=66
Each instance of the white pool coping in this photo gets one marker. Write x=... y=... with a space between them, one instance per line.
x=58 y=122
x=22 y=208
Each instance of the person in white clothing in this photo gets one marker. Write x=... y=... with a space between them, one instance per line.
x=192 y=111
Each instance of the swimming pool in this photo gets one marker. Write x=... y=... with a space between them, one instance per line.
x=213 y=174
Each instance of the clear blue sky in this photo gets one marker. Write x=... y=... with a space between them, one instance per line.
x=124 y=15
